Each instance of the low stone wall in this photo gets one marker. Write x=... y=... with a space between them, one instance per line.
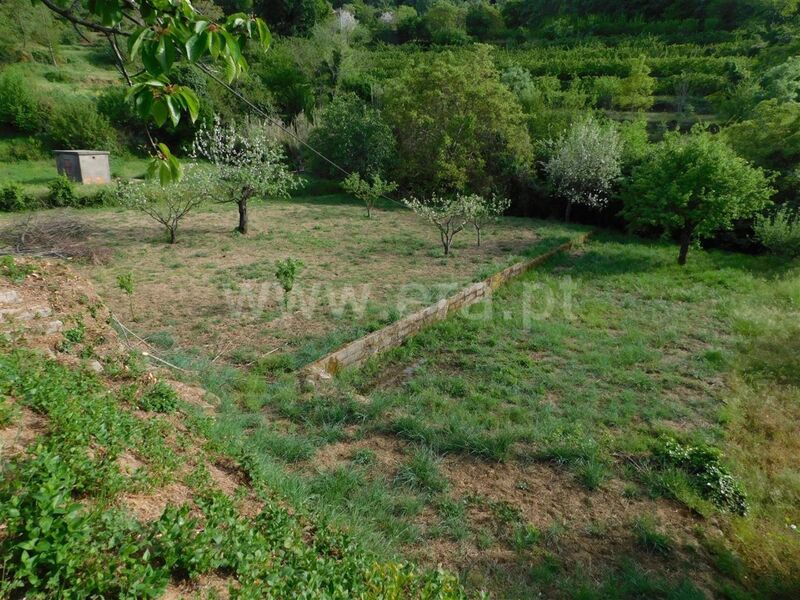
x=359 y=351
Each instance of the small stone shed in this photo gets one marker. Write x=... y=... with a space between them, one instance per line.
x=84 y=166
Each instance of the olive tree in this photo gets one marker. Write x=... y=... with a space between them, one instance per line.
x=584 y=163
x=693 y=186
x=245 y=163
x=366 y=191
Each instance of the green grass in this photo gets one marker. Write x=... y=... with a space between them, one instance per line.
x=621 y=347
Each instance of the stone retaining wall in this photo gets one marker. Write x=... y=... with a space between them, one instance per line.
x=359 y=351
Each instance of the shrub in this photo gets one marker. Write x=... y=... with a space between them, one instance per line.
x=20 y=106
x=13 y=198
x=285 y=272
x=779 y=233
x=75 y=123
x=708 y=475
x=159 y=397
x=61 y=192
x=354 y=136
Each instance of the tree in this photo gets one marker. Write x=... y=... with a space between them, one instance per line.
x=368 y=192
x=245 y=164
x=448 y=214
x=354 y=136
x=480 y=211
x=445 y=23
x=770 y=137
x=693 y=186
x=484 y=21
x=636 y=90
x=585 y=163
x=457 y=126
x=169 y=203
x=293 y=17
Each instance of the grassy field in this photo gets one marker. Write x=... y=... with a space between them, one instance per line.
x=527 y=453
x=215 y=291
x=610 y=425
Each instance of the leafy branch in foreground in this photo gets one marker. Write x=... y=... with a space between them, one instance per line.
x=162 y=34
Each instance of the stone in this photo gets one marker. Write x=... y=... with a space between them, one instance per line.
x=9 y=297
x=53 y=327
x=94 y=365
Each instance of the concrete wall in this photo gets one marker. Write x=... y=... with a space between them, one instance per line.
x=359 y=351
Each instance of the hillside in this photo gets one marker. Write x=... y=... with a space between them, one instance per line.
x=400 y=299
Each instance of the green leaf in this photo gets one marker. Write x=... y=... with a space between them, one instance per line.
x=159 y=111
x=174 y=110
x=196 y=46
x=191 y=102
x=264 y=36
x=136 y=39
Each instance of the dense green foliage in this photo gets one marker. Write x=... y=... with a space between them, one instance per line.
x=693 y=186
x=57 y=543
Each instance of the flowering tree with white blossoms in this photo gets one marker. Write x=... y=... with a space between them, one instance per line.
x=245 y=163
x=447 y=214
x=585 y=163
x=480 y=210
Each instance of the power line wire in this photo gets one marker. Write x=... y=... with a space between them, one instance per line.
x=280 y=125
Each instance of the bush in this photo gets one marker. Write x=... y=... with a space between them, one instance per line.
x=779 y=233
x=25 y=148
x=160 y=397
x=13 y=198
x=61 y=192
x=75 y=123
x=20 y=106
x=354 y=136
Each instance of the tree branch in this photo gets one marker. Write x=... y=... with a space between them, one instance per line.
x=69 y=16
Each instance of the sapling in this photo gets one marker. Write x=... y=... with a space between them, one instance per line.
x=368 y=192
x=125 y=283
x=285 y=272
x=168 y=204
x=480 y=210
x=447 y=214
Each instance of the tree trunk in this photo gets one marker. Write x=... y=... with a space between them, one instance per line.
x=685 y=240
x=478 y=229
x=568 y=212
x=369 y=210
x=242 y=228
x=173 y=234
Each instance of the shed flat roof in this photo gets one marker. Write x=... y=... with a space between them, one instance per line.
x=81 y=152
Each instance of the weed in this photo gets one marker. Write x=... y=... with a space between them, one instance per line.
x=647 y=535
x=421 y=472
x=14 y=271
x=159 y=397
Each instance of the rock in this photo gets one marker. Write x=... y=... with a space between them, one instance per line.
x=53 y=327
x=95 y=366
x=9 y=297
